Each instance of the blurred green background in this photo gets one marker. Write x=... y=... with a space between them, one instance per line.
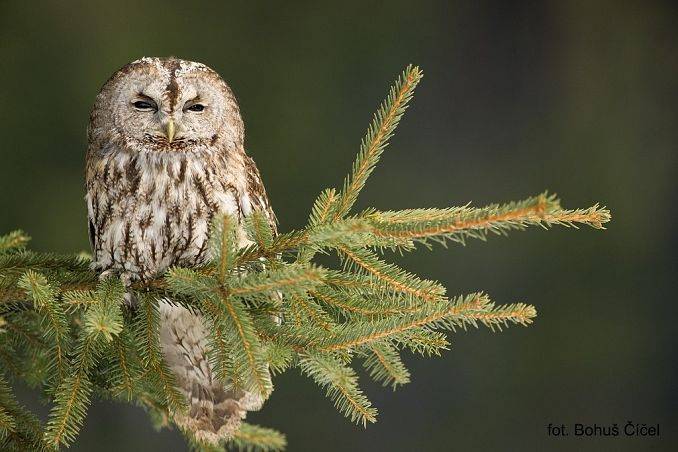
x=576 y=97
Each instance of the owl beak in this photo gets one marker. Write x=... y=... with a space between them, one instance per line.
x=170 y=130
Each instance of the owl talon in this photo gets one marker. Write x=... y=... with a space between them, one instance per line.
x=107 y=274
x=130 y=301
x=125 y=277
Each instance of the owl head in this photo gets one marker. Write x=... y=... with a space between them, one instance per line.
x=167 y=104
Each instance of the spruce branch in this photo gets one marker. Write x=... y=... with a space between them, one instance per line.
x=313 y=312
x=124 y=370
x=268 y=306
x=157 y=374
x=322 y=206
x=458 y=224
x=384 y=123
x=384 y=365
x=291 y=278
x=245 y=349
x=54 y=318
x=7 y=424
x=391 y=276
x=462 y=311
x=258 y=230
x=341 y=384
x=252 y=438
x=223 y=245
x=226 y=368
x=423 y=341
x=72 y=399
x=101 y=322
x=15 y=240
x=19 y=429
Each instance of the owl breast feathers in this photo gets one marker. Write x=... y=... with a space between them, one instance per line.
x=165 y=154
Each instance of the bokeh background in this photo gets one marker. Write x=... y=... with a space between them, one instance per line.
x=576 y=97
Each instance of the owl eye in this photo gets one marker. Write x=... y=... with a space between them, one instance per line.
x=196 y=107
x=144 y=105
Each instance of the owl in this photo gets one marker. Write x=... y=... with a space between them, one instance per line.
x=165 y=155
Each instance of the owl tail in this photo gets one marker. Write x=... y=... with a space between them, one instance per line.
x=214 y=413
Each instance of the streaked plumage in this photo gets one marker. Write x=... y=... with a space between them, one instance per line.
x=155 y=177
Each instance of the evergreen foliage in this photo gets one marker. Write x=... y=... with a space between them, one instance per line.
x=268 y=306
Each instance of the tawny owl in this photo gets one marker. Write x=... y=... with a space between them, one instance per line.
x=165 y=154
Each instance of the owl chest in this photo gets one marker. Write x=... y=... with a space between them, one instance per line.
x=154 y=219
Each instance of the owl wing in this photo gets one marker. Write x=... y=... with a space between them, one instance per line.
x=92 y=234
x=257 y=193
x=91 y=222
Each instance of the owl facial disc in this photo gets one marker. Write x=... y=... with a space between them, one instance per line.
x=168 y=104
